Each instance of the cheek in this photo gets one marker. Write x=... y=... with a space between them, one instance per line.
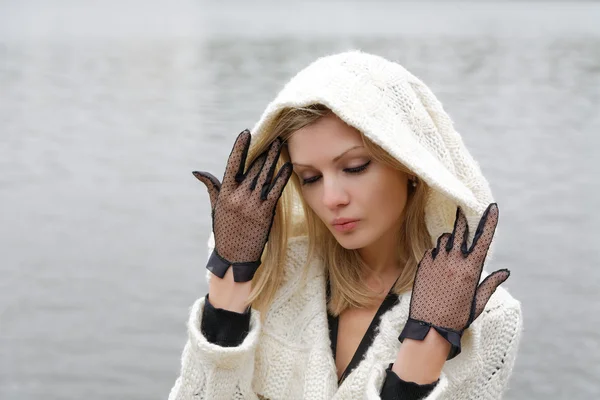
x=385 y=196
x=312 y=198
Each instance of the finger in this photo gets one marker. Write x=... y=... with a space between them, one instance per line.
x=234 y=171
x=273 y=192
x=487 y=288
x=442 y=243
x=485 y=230
x=266 y=174
x=212 y=185
x=460 y=233
x=254 y=169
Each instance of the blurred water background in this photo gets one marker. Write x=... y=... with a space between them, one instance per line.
x=107 y=107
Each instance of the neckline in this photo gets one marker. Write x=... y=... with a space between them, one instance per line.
x=390 y=301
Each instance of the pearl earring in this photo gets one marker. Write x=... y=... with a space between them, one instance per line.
x=414 y=182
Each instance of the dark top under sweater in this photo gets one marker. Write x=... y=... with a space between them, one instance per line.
x=228 y=329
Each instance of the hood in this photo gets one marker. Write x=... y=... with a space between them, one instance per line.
x=397 y=111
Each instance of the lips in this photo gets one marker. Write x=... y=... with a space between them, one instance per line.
x=344 y=224
x=341 y=221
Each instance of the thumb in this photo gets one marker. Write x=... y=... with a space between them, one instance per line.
x=212 y=184
x=487 y=288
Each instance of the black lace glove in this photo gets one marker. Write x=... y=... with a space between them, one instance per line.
x=243 y=208
x=446 y=295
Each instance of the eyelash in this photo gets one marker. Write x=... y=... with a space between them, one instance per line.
x=355 y=170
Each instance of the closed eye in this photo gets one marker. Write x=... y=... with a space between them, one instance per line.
x=355 y=170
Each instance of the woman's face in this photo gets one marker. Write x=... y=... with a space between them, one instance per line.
x=340 y=180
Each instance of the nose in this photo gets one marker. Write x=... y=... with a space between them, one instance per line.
x=334 y=194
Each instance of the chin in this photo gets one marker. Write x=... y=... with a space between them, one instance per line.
x=352 y=241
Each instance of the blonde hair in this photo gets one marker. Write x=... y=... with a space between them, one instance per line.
x=342 y=266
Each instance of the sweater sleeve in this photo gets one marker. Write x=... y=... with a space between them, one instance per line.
x=485 y=365
x=210 y=371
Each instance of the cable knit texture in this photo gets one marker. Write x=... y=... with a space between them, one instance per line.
x=289 y=357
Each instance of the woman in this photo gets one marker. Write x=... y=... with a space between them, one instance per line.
x=363 y=277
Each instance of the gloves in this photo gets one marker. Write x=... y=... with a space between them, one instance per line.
x=243 y=208
x=446 y=295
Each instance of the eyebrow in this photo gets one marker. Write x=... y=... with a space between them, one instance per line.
x=334 y=160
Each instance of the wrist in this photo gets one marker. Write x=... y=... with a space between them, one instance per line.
x=421 y=361
x=227 y=294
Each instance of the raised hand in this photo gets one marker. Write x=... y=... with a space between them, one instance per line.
x=446 y=295
x=243 y=208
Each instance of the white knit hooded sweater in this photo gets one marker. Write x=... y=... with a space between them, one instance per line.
x=289 y=356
